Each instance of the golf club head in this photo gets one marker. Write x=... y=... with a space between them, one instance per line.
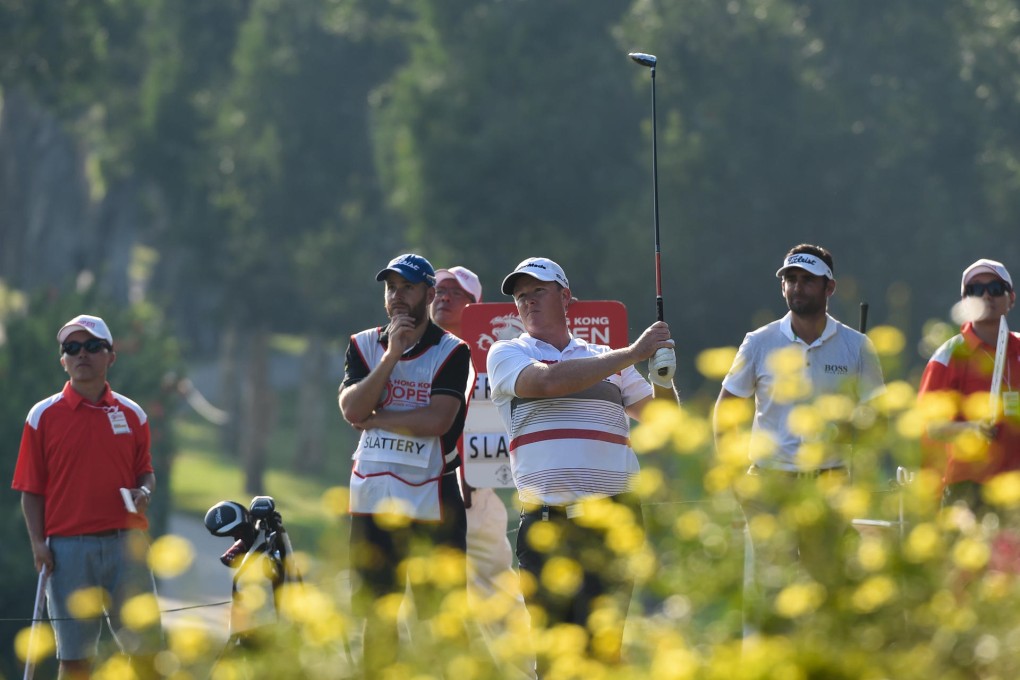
x=262 y=507
x=227 y=518
x=648 y=60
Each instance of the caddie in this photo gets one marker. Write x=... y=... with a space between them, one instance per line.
x=403 y=390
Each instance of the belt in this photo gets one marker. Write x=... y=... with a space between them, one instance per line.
x=797 y=474
x=104 y=534
x=572 y=510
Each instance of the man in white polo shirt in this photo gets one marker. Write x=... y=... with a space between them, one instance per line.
x=565 y=405
x=786 y=365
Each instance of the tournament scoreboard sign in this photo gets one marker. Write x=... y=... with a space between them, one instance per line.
x=486 y=447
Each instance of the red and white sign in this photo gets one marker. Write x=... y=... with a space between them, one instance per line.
x=486 y=449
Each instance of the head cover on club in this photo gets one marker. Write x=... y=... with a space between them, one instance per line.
x=985 y=266
x=262 y=507
x=808 y=262
x=541 y=268
x=648 y=60
x=227 y=518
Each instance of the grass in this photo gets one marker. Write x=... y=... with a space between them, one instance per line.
x=203 y=474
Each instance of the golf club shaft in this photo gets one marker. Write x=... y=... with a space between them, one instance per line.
x=37 y=614
x=655 y=206
x=863 y=328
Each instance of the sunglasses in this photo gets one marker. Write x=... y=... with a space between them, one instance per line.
x=92 y=346
x=994 y=288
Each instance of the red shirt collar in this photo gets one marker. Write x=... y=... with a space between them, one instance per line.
x=974 y=342
x=73 y=398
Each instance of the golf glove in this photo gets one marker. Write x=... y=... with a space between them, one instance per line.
x=662 y=366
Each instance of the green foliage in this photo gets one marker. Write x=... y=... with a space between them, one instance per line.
x=933 y=597
x=147 y=362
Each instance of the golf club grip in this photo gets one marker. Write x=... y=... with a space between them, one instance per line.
x=864 y=318
x=233 y=552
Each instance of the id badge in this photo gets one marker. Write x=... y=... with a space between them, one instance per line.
x=1011 y=404
x=119 y=423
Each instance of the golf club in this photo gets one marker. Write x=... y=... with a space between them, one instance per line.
x=863 y=327
x=229 y=518
x=37 y=614
x=650 y=61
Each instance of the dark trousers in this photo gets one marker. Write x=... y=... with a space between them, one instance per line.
x=378 y=552
x=569 y=569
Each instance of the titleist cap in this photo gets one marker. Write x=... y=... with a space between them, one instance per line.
x=541 y=268
x=984 y=266
x=92 y=325
x=464 y=277
x=414 y=268
x=807 y=262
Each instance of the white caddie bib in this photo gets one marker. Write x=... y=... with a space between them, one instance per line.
x=382 y=446
x=399 y=473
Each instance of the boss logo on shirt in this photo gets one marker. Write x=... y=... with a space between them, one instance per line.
x=836 y=369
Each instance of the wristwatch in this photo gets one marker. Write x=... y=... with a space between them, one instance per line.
x=146 y=490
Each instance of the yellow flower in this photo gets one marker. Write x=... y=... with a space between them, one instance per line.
x=834 y=407
x=715 y=363
x=189 y=642
x=923 y=543
x=658 y=421
x=871 y=554
x=689 y=524
x=938 y=407
x=730 y=413
x=88 y=602
x=335 y=501
x=911 y=424
x=805 y=421
x=35 y=647
x=647 y=481
x=898 y=396
x=875 y=592
x=1003 y=490
x=691 y=434
x=170 y=556
x=141 y=611
x=391 y=514
x=888 y=340
x=799 y=599
x=977 y=407
x=970 y=446
x=970 y=554
x=562 y=575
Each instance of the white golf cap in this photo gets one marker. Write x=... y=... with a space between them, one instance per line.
x=464 y=277
x=807 y=262
x=541 y=268
x=984 y=266
x=92 y=325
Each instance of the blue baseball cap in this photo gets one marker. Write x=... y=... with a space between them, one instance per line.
x=414 y=268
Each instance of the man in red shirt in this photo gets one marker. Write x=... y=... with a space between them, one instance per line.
x=79 y=449
x=970 y=446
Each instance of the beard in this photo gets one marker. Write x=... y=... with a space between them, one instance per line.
x=806 y=306
x=419 y=312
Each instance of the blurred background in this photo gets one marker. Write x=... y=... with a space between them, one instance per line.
x=221 y=181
